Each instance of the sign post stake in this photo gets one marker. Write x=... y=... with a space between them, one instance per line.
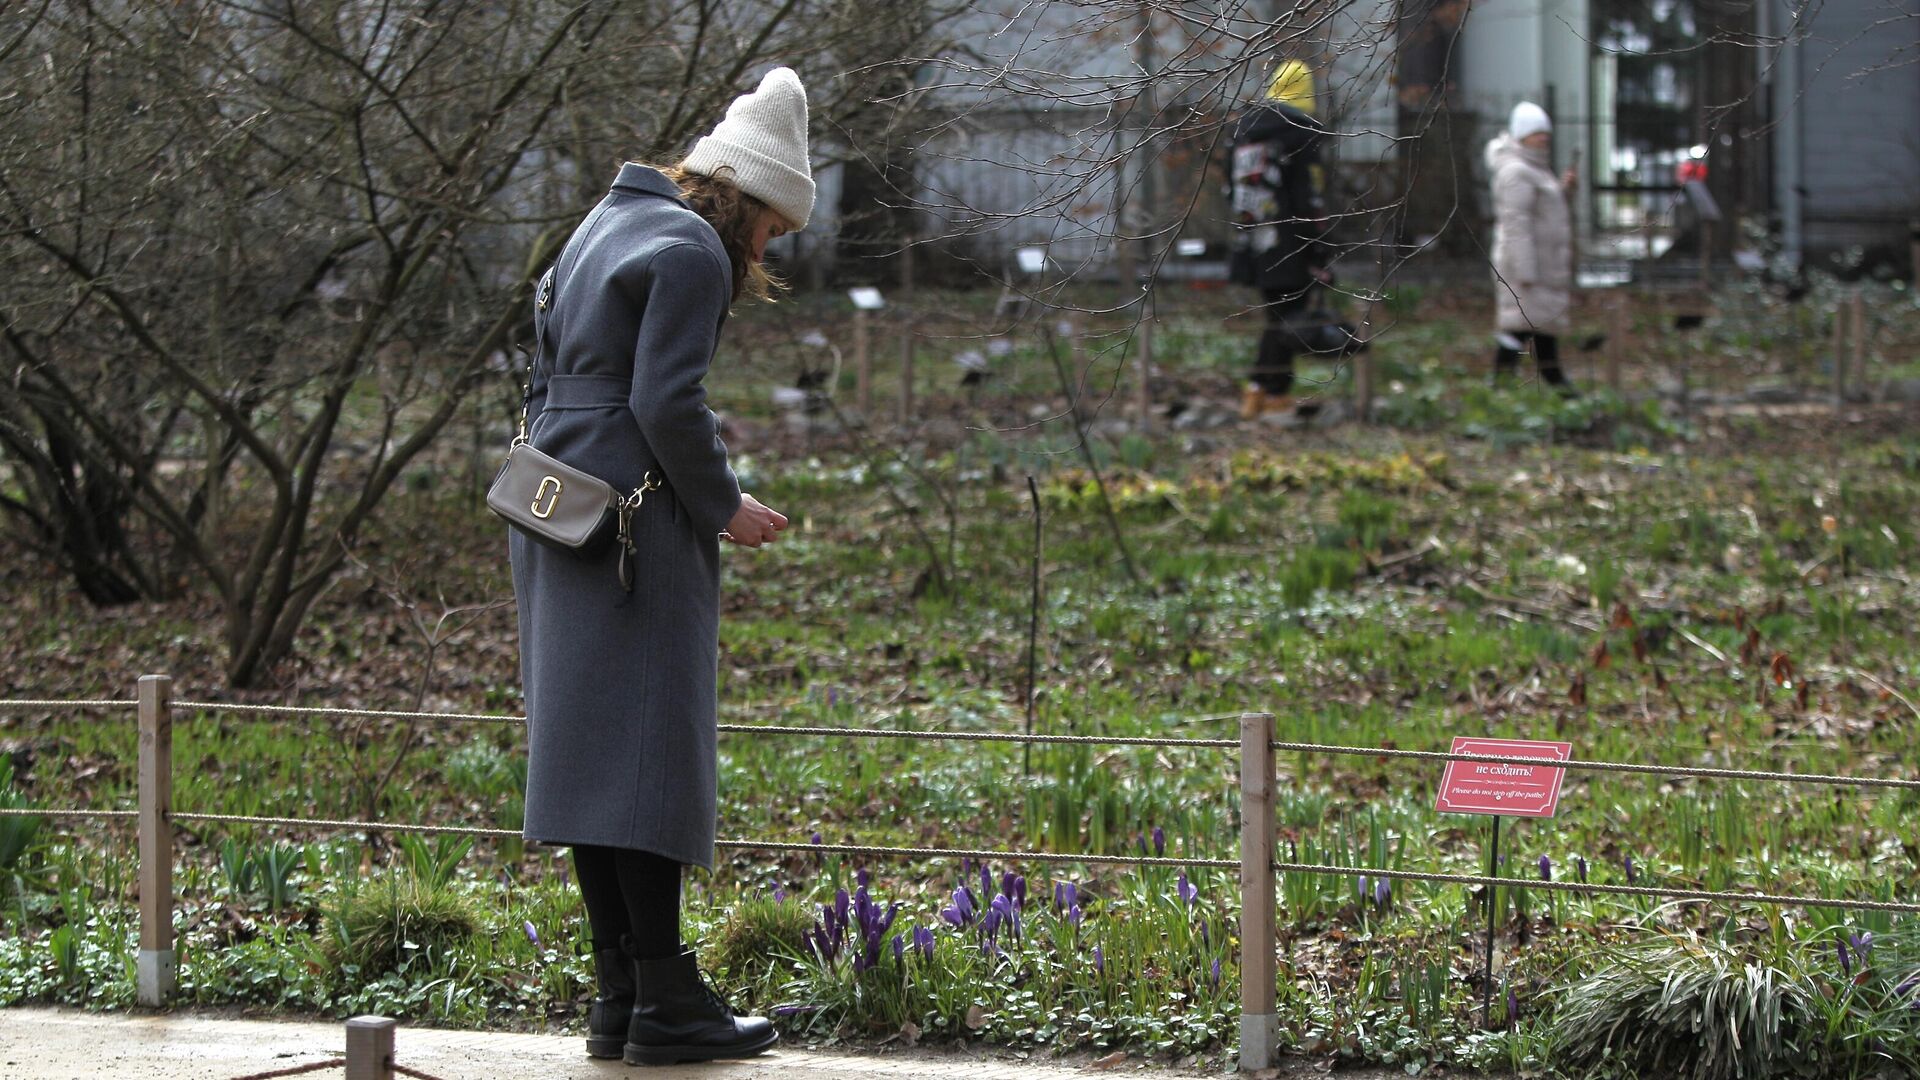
x=862 y=365
x=865 y=299
x=1493 y=910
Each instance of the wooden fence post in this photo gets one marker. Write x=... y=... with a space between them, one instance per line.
x=862 y=366
x=1143 y=362
x=1616 y=344
x=1840 y=320
x=907 y=344
x=156 y=968
x=1259 y=1015
x=370 y=1048
x=1858 y=354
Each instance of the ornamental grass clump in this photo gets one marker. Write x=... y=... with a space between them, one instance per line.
x=374 y=931
x=759 y=933
x=1690 y=1011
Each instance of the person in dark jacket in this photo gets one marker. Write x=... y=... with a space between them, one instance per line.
x=1278 y=222
x=620 y=686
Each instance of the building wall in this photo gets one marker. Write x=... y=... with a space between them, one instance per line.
x=1530 y=50
x=1846 y=100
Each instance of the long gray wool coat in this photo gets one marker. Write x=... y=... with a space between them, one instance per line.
x=1532 y=241
x=620 y=687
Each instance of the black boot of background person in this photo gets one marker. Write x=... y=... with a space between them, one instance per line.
x=1558 y=381
x=678 y=1017
x=612 y=1008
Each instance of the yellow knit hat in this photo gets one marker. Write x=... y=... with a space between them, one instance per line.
x=1292 y=84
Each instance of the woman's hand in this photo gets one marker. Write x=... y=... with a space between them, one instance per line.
x=754 y=524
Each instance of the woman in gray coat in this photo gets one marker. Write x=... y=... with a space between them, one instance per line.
x=1532 y=246
x=620 y=684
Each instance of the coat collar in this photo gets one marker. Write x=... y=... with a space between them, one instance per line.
x=644 y=180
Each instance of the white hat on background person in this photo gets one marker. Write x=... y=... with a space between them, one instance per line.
x=1527 y=119
x=761 y=146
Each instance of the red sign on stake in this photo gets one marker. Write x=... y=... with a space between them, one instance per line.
x=1503 y=788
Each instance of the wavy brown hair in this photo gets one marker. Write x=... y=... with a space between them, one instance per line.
x=732 y=213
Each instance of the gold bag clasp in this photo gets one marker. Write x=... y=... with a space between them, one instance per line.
x=552 y=497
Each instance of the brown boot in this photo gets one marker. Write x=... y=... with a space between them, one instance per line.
x=1252 y=399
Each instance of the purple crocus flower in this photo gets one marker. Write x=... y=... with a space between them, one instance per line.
x=1216 y=971
x=1159 y=841
x=1008 y=915
x=872 y=925
x=1382 y=894
x=1631 y=876
x=1065 y=895
x=961 y=913
x=1099 y=960
x=1862 y=945
x=1006 y=884
x=1074 y=915
x=823 y=943
x=815 y=838
x=1363 y=886
x=1846 y=962
x=1513 y=1005
x=779 y=894
x=1020 y=891
x=923 y=941
x=862 y=878
x=532 y=934
x=899 y=950
x=1189 y=893
x=986 y=881
x=1580 y=867
x=1546 y=868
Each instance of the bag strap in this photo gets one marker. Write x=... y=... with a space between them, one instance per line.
x=542 y=302
x=543 y=305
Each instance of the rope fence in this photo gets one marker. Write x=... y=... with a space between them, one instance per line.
x=1575 y=764
x=1086 y=858
x=1257 y=746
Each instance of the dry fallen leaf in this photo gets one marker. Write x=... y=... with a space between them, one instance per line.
x=976 y=1018
x=1110 y=1060
x=910 y=1033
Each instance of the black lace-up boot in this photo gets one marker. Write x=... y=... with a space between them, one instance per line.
x=678 y=1017
x=612 y=1008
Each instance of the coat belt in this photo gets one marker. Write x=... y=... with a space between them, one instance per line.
x=587 y=391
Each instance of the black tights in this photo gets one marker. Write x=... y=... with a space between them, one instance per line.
x=1546 y=353
x=630 y=894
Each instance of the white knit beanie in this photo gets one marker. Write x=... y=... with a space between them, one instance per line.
x=1527 y=119
x=761 y=146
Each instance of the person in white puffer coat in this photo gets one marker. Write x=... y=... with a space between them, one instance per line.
x=1532 y=246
